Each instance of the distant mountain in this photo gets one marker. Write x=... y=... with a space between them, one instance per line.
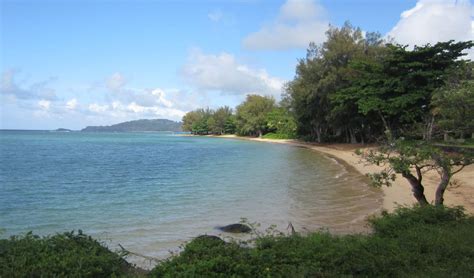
x=138 y=126
x=62 y=130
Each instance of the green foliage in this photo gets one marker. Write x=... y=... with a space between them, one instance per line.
x=454 y=108
x=230 y=125
x=221 y=121
x=256 y=116
x=197 y=121
x=406 y=218
x=281 y=122
x=69 y=254
x=356 y=88
x=398 y=86
x=251 y=117
x=325 y=71
x=207 y=121
x=421 y=241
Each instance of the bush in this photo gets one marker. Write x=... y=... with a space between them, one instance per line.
x=418 y=216
x=69 y=254
x=420 y=241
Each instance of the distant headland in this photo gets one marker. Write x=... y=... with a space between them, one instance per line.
x=138 y=126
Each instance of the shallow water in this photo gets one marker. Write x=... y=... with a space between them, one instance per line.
x=152 y=191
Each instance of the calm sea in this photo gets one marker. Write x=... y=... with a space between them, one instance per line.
x=152 y=191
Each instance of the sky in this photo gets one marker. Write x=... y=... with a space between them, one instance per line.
x=76 y=63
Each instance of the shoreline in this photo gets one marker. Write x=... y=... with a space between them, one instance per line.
x=399 y=194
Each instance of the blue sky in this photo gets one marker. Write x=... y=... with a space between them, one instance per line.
x=77 y=63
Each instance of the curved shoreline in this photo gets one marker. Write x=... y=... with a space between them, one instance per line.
x=399 y=193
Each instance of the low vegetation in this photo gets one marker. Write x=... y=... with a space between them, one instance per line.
x=423 y=241
x=428 y=241
x=68 y=254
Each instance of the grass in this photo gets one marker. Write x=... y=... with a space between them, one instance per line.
x=411 y=242
x=272 y=135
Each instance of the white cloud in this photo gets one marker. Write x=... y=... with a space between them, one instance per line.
x=215 y=16
x=133 y=110
x=125 y=103
x=161 y=97
x=120 y=103
x=224 y=74
x=431 y=21
x=71 y=104
x=44 y=104
x=300 y=10
x=116 y=81
x=299 y=22
x=97 y=108
x=26 y=91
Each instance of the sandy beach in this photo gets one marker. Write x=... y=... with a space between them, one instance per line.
x=460 y=193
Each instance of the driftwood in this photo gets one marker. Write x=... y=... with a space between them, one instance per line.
x=126 y=252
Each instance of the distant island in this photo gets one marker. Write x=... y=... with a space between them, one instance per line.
x=138 y=126
x=62 y=130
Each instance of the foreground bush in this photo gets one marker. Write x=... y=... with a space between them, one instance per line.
x=69 y=254
x=422 y=241
x=411 y=242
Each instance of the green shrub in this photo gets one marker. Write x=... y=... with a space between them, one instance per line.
x=410 y=217
x=69 y=254
x=413 y=242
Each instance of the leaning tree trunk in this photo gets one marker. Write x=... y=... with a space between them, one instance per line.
x=443 y=184
x=417 y=188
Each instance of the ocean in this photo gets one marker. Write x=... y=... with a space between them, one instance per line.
x=151 y=192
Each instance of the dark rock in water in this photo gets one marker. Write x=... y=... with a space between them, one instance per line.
x=235 y=228
x=209 y=240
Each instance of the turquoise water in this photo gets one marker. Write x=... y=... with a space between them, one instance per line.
x=152 y=191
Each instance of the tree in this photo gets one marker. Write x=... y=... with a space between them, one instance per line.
x=230 y=125
x=412 y=159
x=453 y=107
x=188 y=120
x=398 y=87
x=197 y=121
x=325 y=71
x=221 y=117
x=280 y=121
x=251 y=114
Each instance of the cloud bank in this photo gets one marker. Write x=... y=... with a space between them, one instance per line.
x=431 y=21
x=224 y=74
x=298 y=23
